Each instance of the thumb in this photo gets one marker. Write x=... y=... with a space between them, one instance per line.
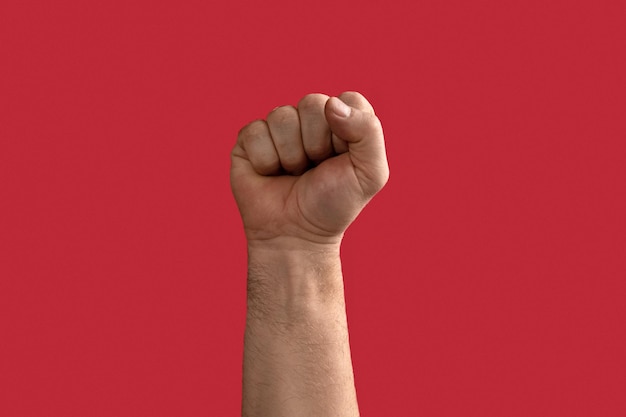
x=363 y=133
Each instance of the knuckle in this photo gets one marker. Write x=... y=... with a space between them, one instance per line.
x=246 y=140
x=282 y=114
x=251 y=130
x=351 y=95
x=312 y=101
x=373 y=123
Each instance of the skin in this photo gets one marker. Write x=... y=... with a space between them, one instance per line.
x=300 y=178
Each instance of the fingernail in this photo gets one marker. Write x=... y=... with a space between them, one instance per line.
x=340 y=108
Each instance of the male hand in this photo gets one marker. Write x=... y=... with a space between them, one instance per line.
x=305 y=173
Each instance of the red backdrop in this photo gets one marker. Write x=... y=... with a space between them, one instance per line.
x=487 y=279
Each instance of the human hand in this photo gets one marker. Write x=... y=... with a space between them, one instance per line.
x=304 y=174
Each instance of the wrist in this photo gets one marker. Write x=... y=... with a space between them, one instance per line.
x=286 y=242
x=289 y=283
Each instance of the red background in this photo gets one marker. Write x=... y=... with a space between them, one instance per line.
x=486 y=279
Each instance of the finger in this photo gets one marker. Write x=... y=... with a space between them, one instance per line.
x=316 y=135
x=256 y=142
x=284 y=126
x=356 y=100
x=339 y=146
x=363 y=133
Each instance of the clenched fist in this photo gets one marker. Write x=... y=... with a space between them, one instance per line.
x=306 y=172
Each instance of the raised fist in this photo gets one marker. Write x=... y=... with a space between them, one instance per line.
x=305 y=173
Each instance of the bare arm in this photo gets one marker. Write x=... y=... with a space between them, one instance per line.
x=296 y=351
x=300 y=178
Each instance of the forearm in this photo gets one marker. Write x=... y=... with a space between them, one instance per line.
x=296 y=353
x=304 y=173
